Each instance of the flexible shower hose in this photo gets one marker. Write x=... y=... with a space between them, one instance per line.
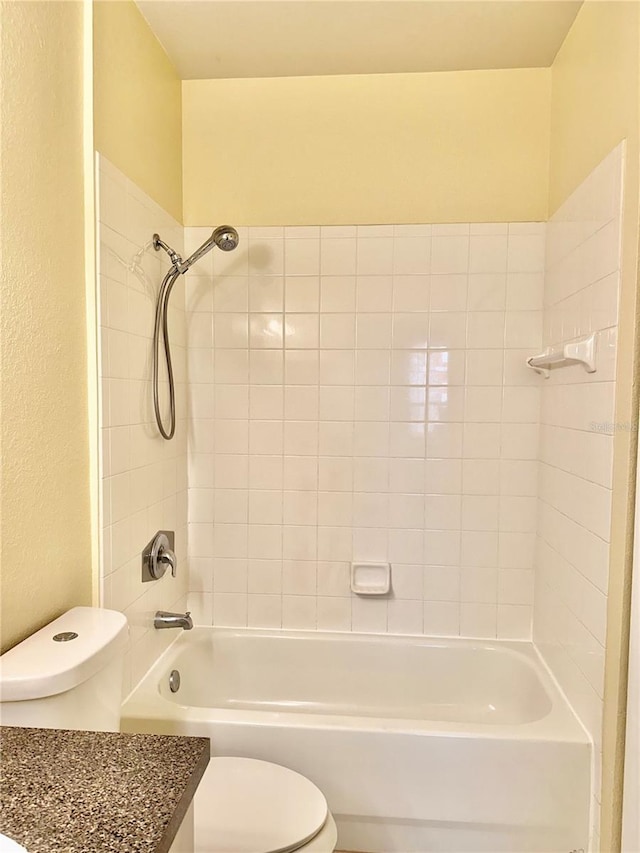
x=161 y=321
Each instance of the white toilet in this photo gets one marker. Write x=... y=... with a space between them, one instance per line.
x=68 y=675
x=247 y=806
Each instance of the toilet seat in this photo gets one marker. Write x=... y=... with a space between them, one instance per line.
x=248 y=806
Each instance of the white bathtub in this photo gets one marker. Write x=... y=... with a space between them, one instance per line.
x=418 y=744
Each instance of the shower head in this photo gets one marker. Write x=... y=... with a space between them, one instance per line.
x=224 y=237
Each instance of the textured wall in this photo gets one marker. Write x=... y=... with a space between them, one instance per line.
x=395 y=148
x=137 y=103
x=46 y=555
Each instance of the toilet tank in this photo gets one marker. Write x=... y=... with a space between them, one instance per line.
x=68 y=675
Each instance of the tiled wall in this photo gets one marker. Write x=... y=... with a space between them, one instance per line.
x=360 y=393
x=576 y=445
x=144 y=479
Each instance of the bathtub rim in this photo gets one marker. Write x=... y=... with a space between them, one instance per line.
x=561 y=723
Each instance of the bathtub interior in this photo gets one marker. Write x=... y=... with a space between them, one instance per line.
x=367 y=676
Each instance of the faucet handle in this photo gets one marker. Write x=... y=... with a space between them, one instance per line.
x=167 y=556
x=158 y=556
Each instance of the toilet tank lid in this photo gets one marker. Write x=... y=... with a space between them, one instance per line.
x=41 y=666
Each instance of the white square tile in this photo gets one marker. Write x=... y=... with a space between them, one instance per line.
x=265 y=331
x=266 y=293
x=302 y=257
x=266 y=367
x=488 y=253
x=265 y=256
x=337 y=403
x=371 y=474
x=334 y=580
x=302 y=293
x=486 y=330
x=337 y=367
x=404 y=617
x=449 y=254
x=338 y=256
x=338 y=293
x=337 y=331
x=373 y=367
x=299 y=612
x=442 y=618
x=373 y=330
x=265 y=401
x=335 y=509
x=478 y=620
x=442 y=547
x=448 y=292
x=230 y=609
x=264 y=611
x=445 y=403
x=369 y=616
x=375 y=256
x=447 y=330
x=411 y=255
x=526 y=253
x=446 y=367
x=333 y=614
x=265 y=506
x=265 y=577
x=302 y=368
x=372 y=403
x=301 y=331
x=374 y=293
x=441 y=583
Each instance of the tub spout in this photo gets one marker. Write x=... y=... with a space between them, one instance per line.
x=163 y=619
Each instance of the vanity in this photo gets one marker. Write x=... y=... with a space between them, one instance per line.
x=99 y=792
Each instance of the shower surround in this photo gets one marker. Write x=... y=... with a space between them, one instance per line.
x=360 y=393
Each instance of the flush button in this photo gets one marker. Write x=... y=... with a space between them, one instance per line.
x=65 y=636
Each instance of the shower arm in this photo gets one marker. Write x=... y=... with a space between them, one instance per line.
x=176 y=259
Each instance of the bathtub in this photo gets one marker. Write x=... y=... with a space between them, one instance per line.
x=418 y=744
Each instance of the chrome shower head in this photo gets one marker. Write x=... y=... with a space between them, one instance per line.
x=226 y=238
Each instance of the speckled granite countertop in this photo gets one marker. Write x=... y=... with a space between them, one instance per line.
x=96 y=792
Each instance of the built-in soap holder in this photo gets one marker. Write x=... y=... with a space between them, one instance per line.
x=370 y=578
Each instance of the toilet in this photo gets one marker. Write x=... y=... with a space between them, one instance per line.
x=243 y=805
x=68 y=675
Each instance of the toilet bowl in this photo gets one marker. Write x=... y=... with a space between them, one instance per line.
x=243 y=805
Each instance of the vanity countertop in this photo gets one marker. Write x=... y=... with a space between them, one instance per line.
x=96 y=792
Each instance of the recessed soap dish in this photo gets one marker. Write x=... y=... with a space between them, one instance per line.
x=370 y=578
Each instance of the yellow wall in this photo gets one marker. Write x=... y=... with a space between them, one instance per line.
x=440 y=147
x=46 y=542
x=137 y=103
x=595 y=103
